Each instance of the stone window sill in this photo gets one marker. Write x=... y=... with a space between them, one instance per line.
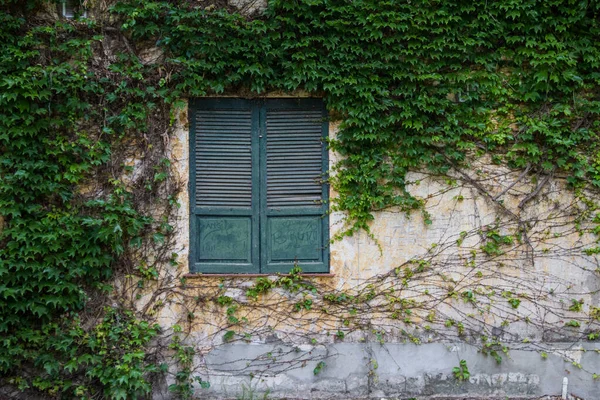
x=201 y=275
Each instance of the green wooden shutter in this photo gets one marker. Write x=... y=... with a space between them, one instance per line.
x=294 y=222
x=224 y=159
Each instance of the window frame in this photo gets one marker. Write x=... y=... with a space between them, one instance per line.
x=77 y=4
x=262 y=215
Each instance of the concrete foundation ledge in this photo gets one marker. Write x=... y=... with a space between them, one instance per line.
x=396 y=371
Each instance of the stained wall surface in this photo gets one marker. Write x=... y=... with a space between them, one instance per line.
x=477 y=240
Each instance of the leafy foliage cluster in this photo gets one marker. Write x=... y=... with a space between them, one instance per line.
x=69 y=220
x=414 y=84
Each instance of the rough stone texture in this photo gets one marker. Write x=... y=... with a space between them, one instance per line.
x=403 y=370
x=249 y=7
x=395 y=369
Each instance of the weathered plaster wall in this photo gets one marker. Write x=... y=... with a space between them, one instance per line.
x=403 y=371
x=277 y=358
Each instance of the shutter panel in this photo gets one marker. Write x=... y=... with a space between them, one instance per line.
x=224 y=158
x=294 y=225
x=294 y=158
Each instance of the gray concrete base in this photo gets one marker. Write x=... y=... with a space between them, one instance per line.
x=390 y=371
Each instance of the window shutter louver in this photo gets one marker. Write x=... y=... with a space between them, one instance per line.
x=294 y=158
x=224 y=158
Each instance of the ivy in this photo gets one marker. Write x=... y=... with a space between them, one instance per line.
x=419 y=84
x=413 y=85
x=461 y=373
x=59 y=243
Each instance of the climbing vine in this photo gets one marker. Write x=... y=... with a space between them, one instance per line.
x=89 y=196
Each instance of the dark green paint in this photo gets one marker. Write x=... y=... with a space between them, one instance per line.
x=224 y=230
x=294 y=238
x=286 y=238
x=226 y=236
x=224 y=239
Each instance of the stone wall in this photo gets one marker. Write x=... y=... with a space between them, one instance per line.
x=502 y=260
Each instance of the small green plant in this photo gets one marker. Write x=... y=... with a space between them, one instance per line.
x=461 y=238
x=319 y=367
x=231 y=318
x=468 y=296
x=262 y=285
x=461 y=373
x=228 y=336
x=514 y=303
x=576 y=305
x=184 y=355
x=493 y=348
x=305 y=304
x=374 y=364
x=224 y=300
x=494 y=242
